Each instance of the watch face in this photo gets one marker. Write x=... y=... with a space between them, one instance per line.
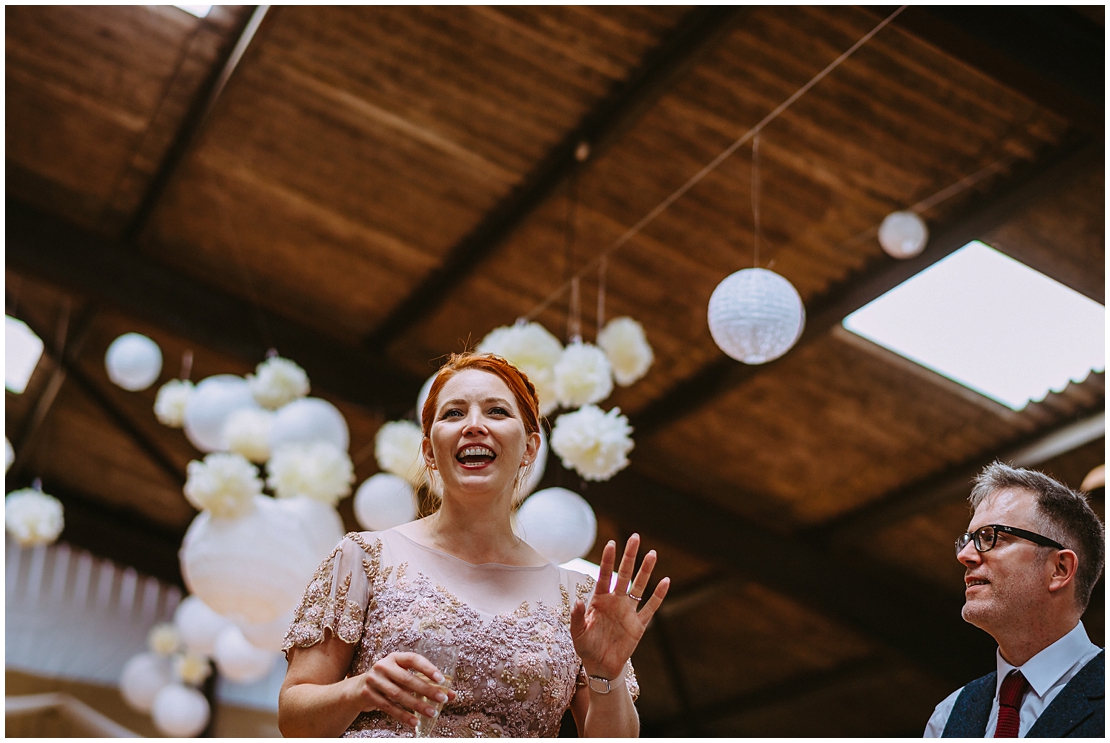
x=599 y=685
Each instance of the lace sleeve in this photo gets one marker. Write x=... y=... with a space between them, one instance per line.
x=337 y=596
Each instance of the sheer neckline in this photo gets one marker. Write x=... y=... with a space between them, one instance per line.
x=482 y=565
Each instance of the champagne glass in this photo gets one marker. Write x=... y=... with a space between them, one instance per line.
x=444 y=657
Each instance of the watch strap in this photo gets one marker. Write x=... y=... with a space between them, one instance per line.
x=598 y=684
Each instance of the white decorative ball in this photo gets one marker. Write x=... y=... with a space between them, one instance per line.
x=277 y=382
x=592 y=442
x=397 y=447
x=625 y=343
x=755 y=315
x=423 y=396
x=169 y=405
x=317 y=470
x=384 y=501
x=903 y=235
x=198 y=625
x=306 y=420
x=180 y=711
x=558 y=523
x=191 y=668
x=247 y=432
x=254 y=568
x=533 y=350
x=9 y=454
x=163 y=639
x=33 y=517
x=133 y=362
x=224 y=484
x=238 y=660
x=319 y=523
x=582 y=376
x=143 y=677
x=210 y=405
x=269 y=636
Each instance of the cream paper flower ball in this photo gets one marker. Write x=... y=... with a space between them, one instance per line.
x=169 y=405
x=247 y=432
x=319 y=470
x=533 y=350
x=278 y=381
x=224 y=484
x=397 y=449
x=192 y=668
x=582 y=376
x=163 y=639
x=594 y=443
x=626 y=346
x=33 y=517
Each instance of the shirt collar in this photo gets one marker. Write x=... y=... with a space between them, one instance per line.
x=1044 y=669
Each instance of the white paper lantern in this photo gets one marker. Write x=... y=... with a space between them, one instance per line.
x=423 y=396
x=9 y=454
x=384 y=501
x=320 y=523
x=307 y=420
x=255 y=568
x=180 y=711
x=210 y=405
x=903 y=235
x=133 y=362
x=755 y=315
x=238 y=660
x=268 y=636
x=143 y=677
x=198 y=625
x=558 y=523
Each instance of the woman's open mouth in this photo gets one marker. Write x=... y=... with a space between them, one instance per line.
x=475 y=457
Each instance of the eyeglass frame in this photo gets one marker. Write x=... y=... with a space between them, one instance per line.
x=971 y=538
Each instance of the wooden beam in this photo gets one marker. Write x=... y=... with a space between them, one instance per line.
x=978 y=217
x=41 y=245
x=695 y=35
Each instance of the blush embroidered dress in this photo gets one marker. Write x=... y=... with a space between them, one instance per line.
x=517 y=669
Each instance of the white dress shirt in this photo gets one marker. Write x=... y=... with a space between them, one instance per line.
x=1047 y=672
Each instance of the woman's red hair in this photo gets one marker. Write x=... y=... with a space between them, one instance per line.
x=523 y=390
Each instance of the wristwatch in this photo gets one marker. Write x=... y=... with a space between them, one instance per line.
x=598 y=684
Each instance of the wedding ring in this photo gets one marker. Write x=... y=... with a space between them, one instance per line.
x=635 y=598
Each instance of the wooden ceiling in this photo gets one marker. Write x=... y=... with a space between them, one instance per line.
x=368 y=188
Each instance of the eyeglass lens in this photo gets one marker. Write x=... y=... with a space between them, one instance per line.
x=984 y=539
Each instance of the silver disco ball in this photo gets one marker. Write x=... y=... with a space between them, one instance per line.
x=755 y=315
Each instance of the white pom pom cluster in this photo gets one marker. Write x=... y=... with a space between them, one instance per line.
x=224 y=484
x=278 y=381
x=169 y=405
x=192 y=668
x=319 y=470
x=33 y=517
x=533 y=350
x=582 y=376
x=247 y=432
x=592 y=442
x=625 y=344
x=163 y=639
x=397 y=449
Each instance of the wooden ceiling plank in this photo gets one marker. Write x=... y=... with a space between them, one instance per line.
x=67 y=256
x=697 y=34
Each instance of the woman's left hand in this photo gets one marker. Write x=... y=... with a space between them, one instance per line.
x=607 y=631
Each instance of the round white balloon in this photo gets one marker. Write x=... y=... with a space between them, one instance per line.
x=133 y=362
x=307 y=420
x=143 y=677
x=269 y=636
x=198 y=625
x=558 y=523
x=209 y=407
x=240 y=661
x=903 y=235
x=320 y=523
x=384 y=501
x=180 y=711
x=755 y=315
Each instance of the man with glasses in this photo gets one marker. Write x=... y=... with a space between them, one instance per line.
x=1032 y=555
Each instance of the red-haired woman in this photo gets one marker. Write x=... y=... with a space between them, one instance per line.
x=533 y=638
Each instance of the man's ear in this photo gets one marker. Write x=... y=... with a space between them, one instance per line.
x=1061 y=568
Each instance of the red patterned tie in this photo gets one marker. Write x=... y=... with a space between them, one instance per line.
x=1013 y=689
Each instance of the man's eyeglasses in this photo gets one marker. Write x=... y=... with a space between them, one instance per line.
x=985 y=537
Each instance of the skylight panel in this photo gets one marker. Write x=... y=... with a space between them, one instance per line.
x=989 y=323
x=22 y=351
x=200 y=11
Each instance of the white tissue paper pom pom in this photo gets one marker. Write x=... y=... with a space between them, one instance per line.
x=191 y=668
x=594 y=443
x=169 y=405
x=397 y=447
x=9 y=454
x=224 y=484
x=163 y=639
x=278 y=381
x=533 y=350
x=180 y=711
x=247 y=432
x=582 y=376
x=143 y=676
x=320 y=471
x=626 y=346
x=33 y=517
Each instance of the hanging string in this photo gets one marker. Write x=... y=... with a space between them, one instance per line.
x=574 y=316
x=601 y=269
x=755 y=201
x=186 y=364
x=714 y=164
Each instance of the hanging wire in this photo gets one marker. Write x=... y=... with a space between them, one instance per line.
x=186 y=364
x=574 y=309
x=713 y=164
x=602 y=268
x=756 y=232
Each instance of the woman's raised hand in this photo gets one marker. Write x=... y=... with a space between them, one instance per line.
x=392 y=687
x=607 y=630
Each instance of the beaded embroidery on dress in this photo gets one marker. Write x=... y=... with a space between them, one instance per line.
x=517 y=669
